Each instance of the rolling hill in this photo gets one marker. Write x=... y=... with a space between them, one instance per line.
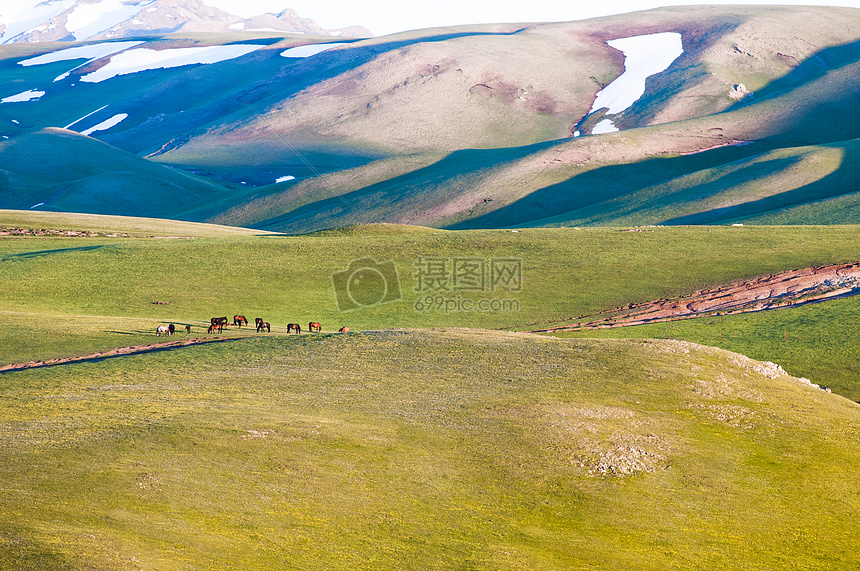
x=467 y=127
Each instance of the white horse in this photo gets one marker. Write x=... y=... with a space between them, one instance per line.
x=162 y=329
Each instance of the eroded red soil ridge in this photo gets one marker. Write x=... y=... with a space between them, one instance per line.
x=785 y=289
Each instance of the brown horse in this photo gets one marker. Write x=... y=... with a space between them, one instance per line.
x=171 y=329
x=263 y=325
x=213 y=326
x=239 y=320
x=258 y=321
x=294 y=327
x=188 y=329
x=344 y=330
x=219 y=321
x=314 y=326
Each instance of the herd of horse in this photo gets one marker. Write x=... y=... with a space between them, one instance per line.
x=217 y=324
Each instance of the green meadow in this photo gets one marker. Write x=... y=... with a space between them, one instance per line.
x=425 y=449
x=428 y=436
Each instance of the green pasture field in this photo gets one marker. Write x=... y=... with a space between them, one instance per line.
x=99 y=282
x=819 y=341
x=422 y=439
x=444 y=449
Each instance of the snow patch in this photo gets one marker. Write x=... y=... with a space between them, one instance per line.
x=91 y=53
x=143 y=59
x=87 y=20
x=31 y=95
x=605 y=126
x=84 y=117
x=285 y=178
x=22 y=16
x=107 y=124
x=644 y=56
x=309 y=50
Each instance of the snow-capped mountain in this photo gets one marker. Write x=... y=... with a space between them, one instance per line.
x=77 y=20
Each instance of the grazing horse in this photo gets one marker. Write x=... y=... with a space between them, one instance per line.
x=188 y=329
x=171 y=329
x=239 y=320
x=313 y=325
x=219 y=321
x=162 y=329
x=294 y=327
x=213 y=326
x=344 y=330
x=263 y=325
x=258 y=321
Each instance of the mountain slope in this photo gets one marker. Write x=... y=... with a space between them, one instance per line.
x=90 y=176
x=78 y=20
x=473 y=126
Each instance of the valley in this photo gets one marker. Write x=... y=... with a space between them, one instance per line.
x=575 y=311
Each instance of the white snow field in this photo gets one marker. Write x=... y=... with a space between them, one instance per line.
x=644 y=56
x=30 y=95
x=142 y=59
x=106 y=124
x=309 y=50
x=90 y=52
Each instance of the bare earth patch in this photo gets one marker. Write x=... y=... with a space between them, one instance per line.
x=785 y=289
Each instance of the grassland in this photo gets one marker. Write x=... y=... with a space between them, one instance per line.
x=423 y=439
x=425 y=449
x=287 y=279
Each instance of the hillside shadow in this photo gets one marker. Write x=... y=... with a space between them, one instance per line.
x=364 y=204
x=814 y=67
x=836 y=117
x=593 y=187
x=41 y=253
x=838 y=183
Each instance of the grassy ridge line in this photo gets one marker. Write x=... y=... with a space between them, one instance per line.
x=426 y=449
x=129 y=224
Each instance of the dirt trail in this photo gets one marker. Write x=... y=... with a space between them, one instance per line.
x=785 y=289
x=118 y=352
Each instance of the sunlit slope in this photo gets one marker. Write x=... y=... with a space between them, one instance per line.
x=772 y=187
x=106 y=280
x=64 y=171
x=472 y=126
x=427 y=449
x=810 y=104
x=32 y=221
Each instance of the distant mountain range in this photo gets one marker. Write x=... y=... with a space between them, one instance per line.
x=751 y=116
x=79 y=20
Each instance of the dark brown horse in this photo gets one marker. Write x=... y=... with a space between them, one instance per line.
x=239 y=320
x=344 y=330
x=219 y=321
x=263 y=325
x=213 y=326
x=188 y=329
x=294 y=327
x=314 y=326
x=171 y=329
x=258 y=321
